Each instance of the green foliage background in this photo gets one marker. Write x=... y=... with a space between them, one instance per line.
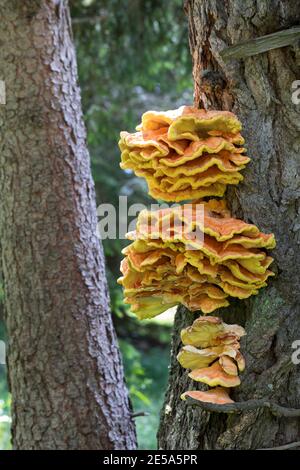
x=132 y=56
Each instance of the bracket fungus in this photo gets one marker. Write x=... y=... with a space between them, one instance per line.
x=166 y=264
x=220 y=360
x=185 y=153
x=178 y=256
x=218 y=395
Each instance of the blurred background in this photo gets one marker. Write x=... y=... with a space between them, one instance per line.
x=132 y=55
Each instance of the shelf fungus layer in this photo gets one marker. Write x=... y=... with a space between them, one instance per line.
x=200 y=259
x=185 y=154
x=211 y=353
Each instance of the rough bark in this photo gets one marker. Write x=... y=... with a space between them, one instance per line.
x=65 y=371
x=258 y=90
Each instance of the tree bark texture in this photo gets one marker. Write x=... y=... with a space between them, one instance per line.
x=65 y=371
x=258 y=89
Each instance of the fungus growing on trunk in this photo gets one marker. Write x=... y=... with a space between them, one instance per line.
x=166 y=264
x=218 y=363
x=185 y=153
x=211 y=331
x=218 y=395
x=215 y=375
x=188 y=154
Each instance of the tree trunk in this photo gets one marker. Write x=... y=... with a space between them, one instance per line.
x=258 y=89
x=64 y=365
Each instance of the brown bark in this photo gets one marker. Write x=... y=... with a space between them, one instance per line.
x=258 y=90
x=65 y=370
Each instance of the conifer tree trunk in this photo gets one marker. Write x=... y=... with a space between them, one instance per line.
x=65 y=371
x=258 y=89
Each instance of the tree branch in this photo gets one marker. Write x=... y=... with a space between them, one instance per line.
x=291 y=445
x=276 y=410
x=255 y=46
x=140 y=413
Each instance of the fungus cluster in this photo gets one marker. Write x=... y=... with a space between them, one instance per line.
x=179 y=255
x=185 y=153
x=212 y=352
x=176 y=257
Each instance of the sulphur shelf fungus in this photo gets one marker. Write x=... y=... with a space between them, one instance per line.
x=166 y=264
x=218 y=395
x=211 y=353
x=185 y=153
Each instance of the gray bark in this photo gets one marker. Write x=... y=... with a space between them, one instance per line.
x=258 y=89
x=65 y=371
